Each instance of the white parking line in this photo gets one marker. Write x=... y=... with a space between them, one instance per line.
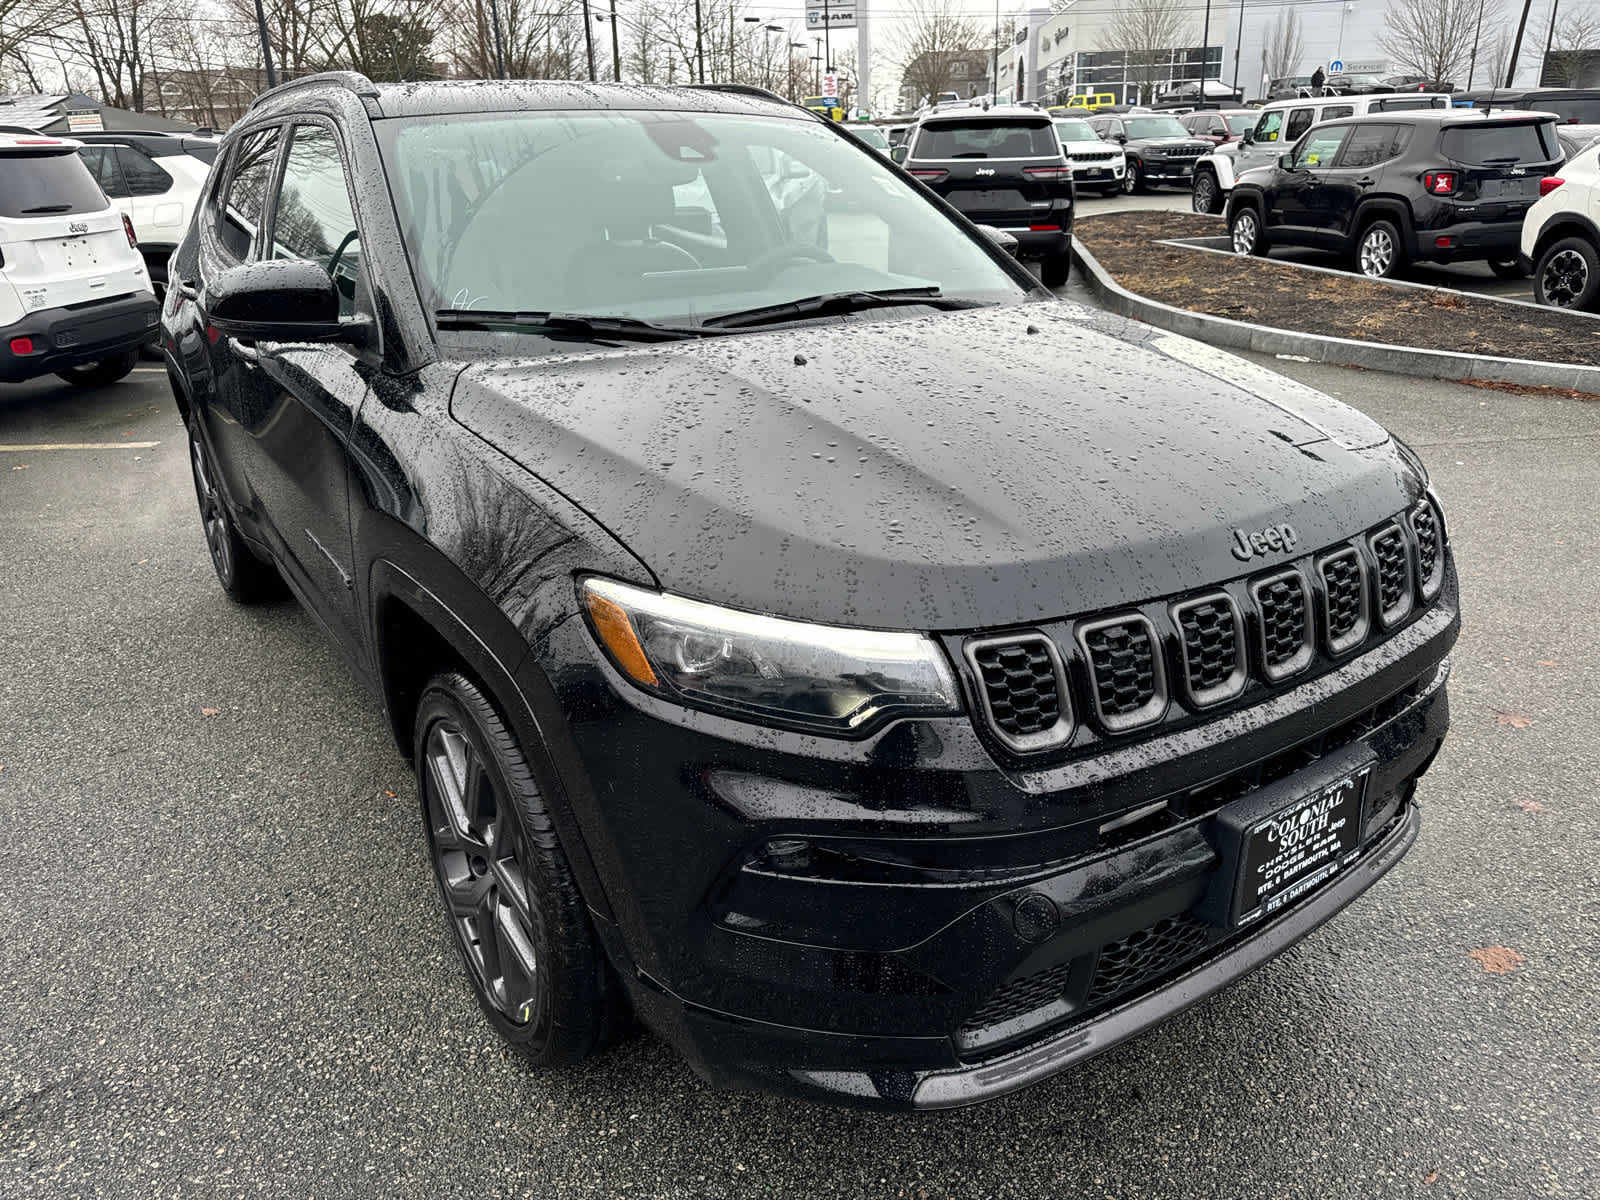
x=149 y=371
x=25 y=449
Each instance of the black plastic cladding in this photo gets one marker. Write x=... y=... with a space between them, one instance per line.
x=1320 y=603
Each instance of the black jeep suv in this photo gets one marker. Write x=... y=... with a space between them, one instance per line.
x=1159 y=149
x=1430 y=185
x=880 y=717
x=1005 y=169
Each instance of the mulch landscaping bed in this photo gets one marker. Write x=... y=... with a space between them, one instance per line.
x=1287 y=297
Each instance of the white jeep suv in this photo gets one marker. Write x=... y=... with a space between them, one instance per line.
x=1278 y=128
x=75 y=296
x=1561 y=235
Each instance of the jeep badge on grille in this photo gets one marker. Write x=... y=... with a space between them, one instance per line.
x=1272 y=539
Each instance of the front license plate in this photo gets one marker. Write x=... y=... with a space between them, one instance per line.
x=1092 y=172
x=1301 y=846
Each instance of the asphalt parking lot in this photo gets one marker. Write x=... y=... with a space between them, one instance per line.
x=223 y=969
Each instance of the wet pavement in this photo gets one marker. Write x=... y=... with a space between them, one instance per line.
x=223 y=968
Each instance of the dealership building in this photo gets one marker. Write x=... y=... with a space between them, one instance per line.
x=1054 y=55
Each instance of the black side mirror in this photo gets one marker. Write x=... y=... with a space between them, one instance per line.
x=1123 y=138
x=899 y=153
x=1248 y=137
x=281 y=300
x=1286 y=161
x=1001 y=238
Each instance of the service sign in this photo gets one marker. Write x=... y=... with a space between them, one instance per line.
x=830 y=14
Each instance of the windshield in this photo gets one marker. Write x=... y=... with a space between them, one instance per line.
x=1154 y=127
x=1076 y=131
x=664 y=216
x=870 y=134
x=981 y=138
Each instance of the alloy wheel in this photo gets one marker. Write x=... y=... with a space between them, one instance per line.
x=1564 y=278
x=1204 y=197
x=1130 y=180
x=1377 y=253
x=1245 y=231
x=212 y=515
x=481 y=862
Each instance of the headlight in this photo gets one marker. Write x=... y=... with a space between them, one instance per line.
x=767 y=669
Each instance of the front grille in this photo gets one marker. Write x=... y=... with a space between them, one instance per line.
x=1285 y=614
x=1023 y=690
x=1080 y=156
x=1344 y=600
x=1212 y=637
x=1143 y=955
x=1186 y=152
x=1394 y=574
x=1430 y=549
x=1126 y=677
x=1019 y=997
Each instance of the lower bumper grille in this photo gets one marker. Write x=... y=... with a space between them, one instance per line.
x=1143 y=955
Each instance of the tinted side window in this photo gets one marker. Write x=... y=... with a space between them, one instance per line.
x=240 y=217
x=144 y=177
x=102 y=164
x=1334 y=111
x=1368 y=146
x=313 y=218
x=1299 y=122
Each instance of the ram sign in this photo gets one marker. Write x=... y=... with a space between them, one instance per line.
x=830 y=14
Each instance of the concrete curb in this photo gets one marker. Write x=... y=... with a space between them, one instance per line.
x=1314 y=347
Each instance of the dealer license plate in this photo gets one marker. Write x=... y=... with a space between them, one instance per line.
x=1301 y=846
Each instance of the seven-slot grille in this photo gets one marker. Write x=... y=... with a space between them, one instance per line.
x=1079 y=156
x=1023 y=689
x=1211 y=635
x=1125 y=671
x=1022 y=679
x=1394 y=574
x=1185 y=151
x=1344 y=599
x=1284 y=606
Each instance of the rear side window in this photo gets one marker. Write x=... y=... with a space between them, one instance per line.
x=47 y=185
x=247 y=192
x=102 y=164
x=1334 y=111
x=1402 y=103
x=144 y=177
x=1299 y=122
x=1577 y=112
x=987 y=139
x=1370 y=145
x=1497 y=143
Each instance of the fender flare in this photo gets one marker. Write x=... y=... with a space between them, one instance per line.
x=1222 y=167
x=1559 y=220
x=1396 y=211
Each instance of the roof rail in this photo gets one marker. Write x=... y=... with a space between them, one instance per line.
x=740 y=89
x=353 y=81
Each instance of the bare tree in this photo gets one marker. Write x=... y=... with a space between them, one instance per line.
x=1285 y=45
x=931 y=36
x=293 y=27
x=1431 y=38
x=114 y=40
x=1147 y=32
x=21 y=23
x=1574 y=49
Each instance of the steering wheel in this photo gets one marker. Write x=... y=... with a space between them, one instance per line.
x=769 y=262
x=344 y=245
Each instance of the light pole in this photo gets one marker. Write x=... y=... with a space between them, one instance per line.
x=1205 y=55
x=1477 y=29
x=616 y=51
x=1238 y=50
x=588 y=38
x=766 y=56
x=1549 y=39
x=794 y=86
x=1516 y=45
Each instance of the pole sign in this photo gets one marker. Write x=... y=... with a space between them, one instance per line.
x=830 y=14
x=84 y=121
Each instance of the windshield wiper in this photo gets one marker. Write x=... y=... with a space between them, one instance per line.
x=45 y=208
x=971 y=154
x=559 y=324
x=833 y=304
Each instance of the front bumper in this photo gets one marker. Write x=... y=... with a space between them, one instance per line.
x=1158 y=170
x=903 y=922
x=82 y=334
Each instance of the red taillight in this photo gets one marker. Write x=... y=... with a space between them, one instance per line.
x=1444 y=241
x=928 y=174
x=1047 y=172
x=1440 y=183
x=22 y=345
x=1044 y=229
x=1549 y=184
x=127 y=228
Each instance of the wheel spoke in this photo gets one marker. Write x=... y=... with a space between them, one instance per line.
x=518 y=963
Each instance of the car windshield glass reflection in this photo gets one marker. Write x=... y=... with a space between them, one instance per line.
x=1154 y=127
x=666 y=217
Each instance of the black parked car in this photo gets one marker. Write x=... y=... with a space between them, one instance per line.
x=1003 y=168
x=1160 y=150
x=1432 y=185
x=895 y=685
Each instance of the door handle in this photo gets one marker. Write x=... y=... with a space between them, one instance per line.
x=246 y=354
x=1366 y=181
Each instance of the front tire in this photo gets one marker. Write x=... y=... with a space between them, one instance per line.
x=1378 y=251
x=1568 y=275
x=99 y=374
x=245 y=578
x=1054 y=269
x=1207 y=196
x=1133 y=181
x=511 y=901
x=1244 y=229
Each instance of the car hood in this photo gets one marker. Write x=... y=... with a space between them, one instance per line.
x=955 y=471
x=1168 y=143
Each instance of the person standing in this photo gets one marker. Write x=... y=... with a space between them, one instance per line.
x=1317 y=80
